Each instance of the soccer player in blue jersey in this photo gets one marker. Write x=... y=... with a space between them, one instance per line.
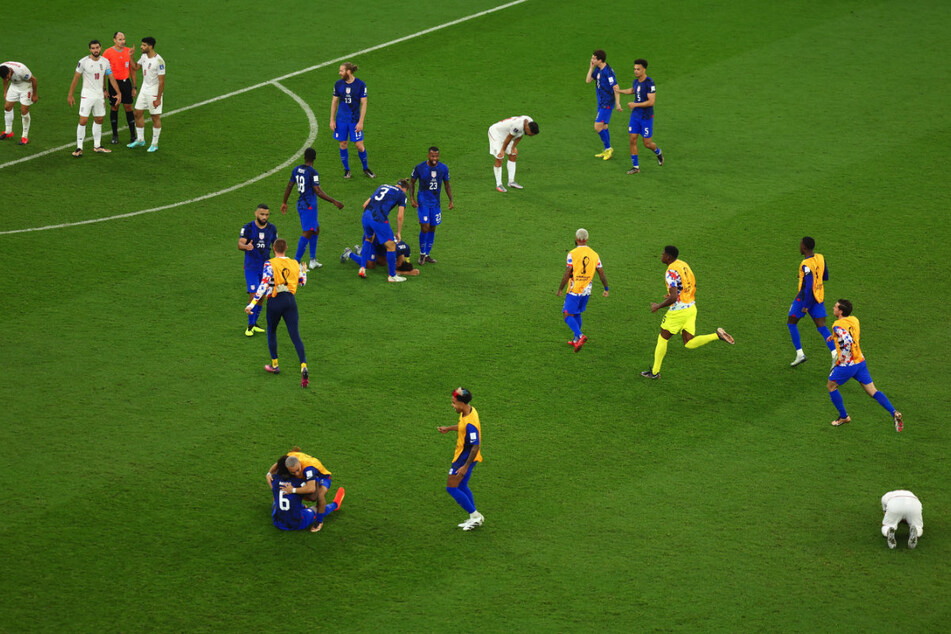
x=431 y=174
x=376 y=224
x=813 y=273
x=608 y=94
x=256 y=239
x=403 y=264
x=350 y=95
x=468 y=453
x=288 y=512
x=307 y=181
x=642 y=113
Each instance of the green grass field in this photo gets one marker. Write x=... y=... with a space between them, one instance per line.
x=138 y=422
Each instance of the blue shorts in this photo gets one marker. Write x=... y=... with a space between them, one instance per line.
x=575 y=304
x=643 y=127
x=308 y=217
x=604 y=115
x=347 y=130
x=308 y=517
x=323 y=482
x=842 y=373
x=252 y=278
x=430 y=215
x=381 y=230
x=815 y=311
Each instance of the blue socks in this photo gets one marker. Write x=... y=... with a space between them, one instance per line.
x=794 y=333
x=839 y=403
x=825 y=334
x=657 y=151
x=605 y=138
x=253 y=317
x=301 y=246
x=391 y=262
x=423 y=240
x=883 y=401
x=363 y=158
x=345 y=159
x=634 y=159
x=313 y=247
x=356 y=258
x=430 y=239
x=330 y=508
x=463 y=498
x=574 y=322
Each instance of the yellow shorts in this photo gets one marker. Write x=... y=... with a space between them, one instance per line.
x=677 y=320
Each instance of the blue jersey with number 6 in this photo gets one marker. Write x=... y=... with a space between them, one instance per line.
x=383 y=200
x=288 y=509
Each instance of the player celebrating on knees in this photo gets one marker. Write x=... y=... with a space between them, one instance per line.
x=682 y=315
x=256 y=239
x=376 y=224
x=431 y=174
x=813 y=274
x=120 y=58
x=583 y=261
x=307 y=181
x=403 y=264
x=608 y=94
x=504 y=136
x=850 y=364
x=153 y=87
x=347 y=122
x=314 y=479
x=19 y=84
x=642 y=113
x=94 y=69
x=284 y=275
x=468 y=453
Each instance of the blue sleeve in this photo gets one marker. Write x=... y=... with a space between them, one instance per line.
x=825 y=273
x=416 y=174
x=805 y=295
x=445 y=173
x=402 y=198
x=310 y=473
x=472 y=434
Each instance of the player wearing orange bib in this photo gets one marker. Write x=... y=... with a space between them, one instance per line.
x=813 y=273
x=583 y=262
x=281 y=277
x=682 y=315
x=120 y=57
x=468 y=453
x=850 y=364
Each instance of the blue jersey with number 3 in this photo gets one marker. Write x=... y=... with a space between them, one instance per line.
x=430 y=179
x=383 y=200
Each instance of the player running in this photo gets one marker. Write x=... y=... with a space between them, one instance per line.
x=431 y=175
x=583 y=262
x=95 y=70
x=307 y=181
x=608 y=94
x=504 y=137
x=813 y=273
x=19 y=84
x=682 y=315
x=850 y=364
x=642 y=113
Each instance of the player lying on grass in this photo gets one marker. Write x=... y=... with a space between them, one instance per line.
x=404 y=265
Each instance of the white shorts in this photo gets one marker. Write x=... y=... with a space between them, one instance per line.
x=907 y=509
x=20 y=92
x=495 y=146
x=92 y=103
x=144 y=102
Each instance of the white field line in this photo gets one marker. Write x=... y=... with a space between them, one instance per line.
x=294 y=74
x=311 y=137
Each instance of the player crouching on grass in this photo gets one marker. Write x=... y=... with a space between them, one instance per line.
x=404 y=266
x=295 y=477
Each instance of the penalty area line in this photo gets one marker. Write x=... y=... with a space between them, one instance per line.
x=311 y=137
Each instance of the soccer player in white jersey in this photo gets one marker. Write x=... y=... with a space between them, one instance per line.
x=94 y=69
x=504 y=136
x=19 y=84
x=150 y=96
x=902 y=506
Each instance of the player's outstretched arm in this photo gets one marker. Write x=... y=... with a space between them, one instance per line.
x=447 y=428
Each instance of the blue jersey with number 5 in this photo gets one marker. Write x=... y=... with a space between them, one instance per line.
x=430 y=179
x=305 y=178
x=642 y=90
x=383 y=200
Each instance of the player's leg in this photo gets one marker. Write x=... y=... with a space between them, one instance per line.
x=7 y=119
x=460 y=495
x=25 y=118
x=436 y=220
x=342 y=135
x=668 y=328
x=273 y=313
x=114 y=101
x=292 y=321
x=796 y=312
x=510 y=168
x=863 y=377
x=647 y=133
x=497 y=170
x=818 y=314
x=98 y=116
x=892 y=518
x=633 y=134
x=362 y=153
x=80 y=132
x=390 y=257
x=130 y=118
x=423 y=234
x=838 y=377
x=601 y=127
x=156 y=127
x=139 y=116
x=312 y=244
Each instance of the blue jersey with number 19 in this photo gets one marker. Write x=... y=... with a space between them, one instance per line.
x=305 y=178
x=430 y=179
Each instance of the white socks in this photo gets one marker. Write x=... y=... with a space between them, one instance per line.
x=80 y=136
x=140 y=133
x=511 y=170
x=26 y=124
x=96 y=134
x=8 y=121
x=498 y=175
x=155 y=135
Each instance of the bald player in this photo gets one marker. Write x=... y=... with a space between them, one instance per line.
x=314 y=482
x=120 y=57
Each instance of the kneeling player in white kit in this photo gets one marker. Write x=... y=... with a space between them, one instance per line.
x=19 y=84
x=504 y=136
x=902 y=506
x=94 y=69
x=150 y=97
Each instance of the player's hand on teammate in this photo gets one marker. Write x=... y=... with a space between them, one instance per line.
x=287 y=488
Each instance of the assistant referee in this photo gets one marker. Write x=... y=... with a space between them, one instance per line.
x=282 y=276
x=120 y=57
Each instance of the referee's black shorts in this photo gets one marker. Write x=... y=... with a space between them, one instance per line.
x=125 y=88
